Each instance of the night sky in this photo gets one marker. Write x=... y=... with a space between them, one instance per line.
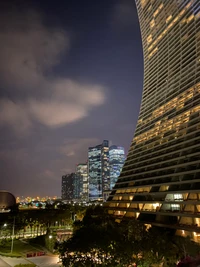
x=71 y=74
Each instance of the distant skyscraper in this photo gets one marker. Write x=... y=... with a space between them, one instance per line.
x=116 y=162
x=94 y=172
x=68 y=186
x=77 y=186
x=98 y=170
x=105 y=166
x=160 y=183
x=81 y=188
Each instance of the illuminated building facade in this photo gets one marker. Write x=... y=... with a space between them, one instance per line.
x=77 y=186
x=94 y=172
x=160 y=181
x=68 y=186
x=98 y=170
x=116 y=162
x=81 y=187
x=105 y=165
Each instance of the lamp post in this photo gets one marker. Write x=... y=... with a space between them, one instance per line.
x=50 y=242
x=4 y=225
x=13 y=232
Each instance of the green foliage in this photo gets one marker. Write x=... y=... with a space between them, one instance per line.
x=98 y=240
x=19 y=248
x=39 y=240
x=36 y=221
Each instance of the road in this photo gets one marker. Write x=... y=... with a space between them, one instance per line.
x=3 y=263
x=11 y=261
x=43 y=261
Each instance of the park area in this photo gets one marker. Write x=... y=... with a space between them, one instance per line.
x=25 y=254
x=20 y=248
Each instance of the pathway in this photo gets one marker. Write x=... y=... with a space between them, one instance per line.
x=11 y=261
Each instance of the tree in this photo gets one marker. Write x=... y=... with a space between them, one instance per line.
x=100 y=240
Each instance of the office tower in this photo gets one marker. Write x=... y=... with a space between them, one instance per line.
x=105 y=166
x=94 y=172
x=160 y=181
x=98 y=170
x=116 y=162
x=81 y=188
x=77 y=185
x=68 y=186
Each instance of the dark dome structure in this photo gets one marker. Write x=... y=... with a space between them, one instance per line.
x=7 y=200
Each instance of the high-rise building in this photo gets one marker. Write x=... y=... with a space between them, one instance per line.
x=160 y=181
x=105 y=166
x=81 y=188
x=98 y=170
x=116 y=162
x=77 y=186
x=68 y=186
x=94 y=172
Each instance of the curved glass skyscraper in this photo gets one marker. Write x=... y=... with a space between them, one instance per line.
x=160 y=181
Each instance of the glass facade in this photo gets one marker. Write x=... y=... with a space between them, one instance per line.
x=94 y=172
x=78 y=186
x=116 y=162
x=82 y=181
x=98 y=170
x=105 y=165
x=160 y=180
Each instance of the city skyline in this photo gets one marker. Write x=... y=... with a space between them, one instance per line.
x=70 y=76
x=94 y=179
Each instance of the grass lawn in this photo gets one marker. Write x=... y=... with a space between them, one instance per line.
x=19 y=248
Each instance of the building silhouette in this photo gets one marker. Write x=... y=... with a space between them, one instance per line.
x=77 y=186
x=160 y=181
x=68 y=186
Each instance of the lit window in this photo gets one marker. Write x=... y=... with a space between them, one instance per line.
x=143 y=3
x=178 y=197
x=158 y=10
x=168 y=19
x=149 y=39
x=190 y=18
x=175 y=206
x=152 y=23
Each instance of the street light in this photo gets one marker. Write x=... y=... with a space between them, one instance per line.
x=4 y=225
x=50 y=236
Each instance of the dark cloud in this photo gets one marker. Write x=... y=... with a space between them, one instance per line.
x=28 y=50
